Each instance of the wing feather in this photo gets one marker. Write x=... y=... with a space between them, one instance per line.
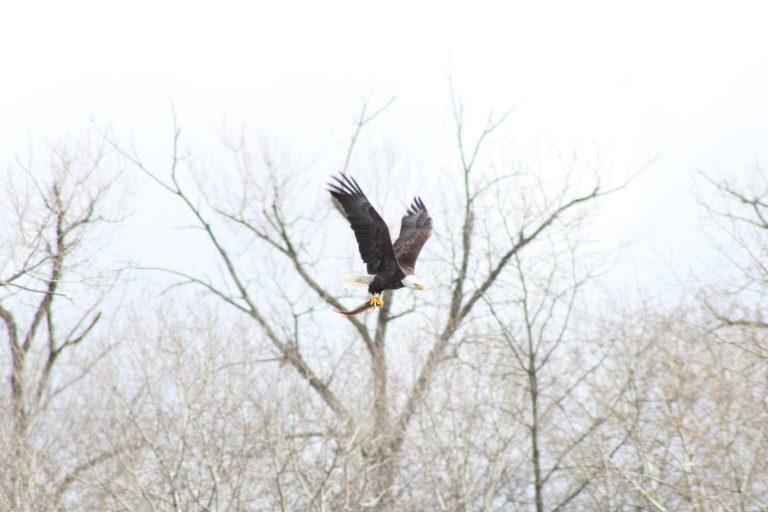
x=415 y=229
x=370 y=230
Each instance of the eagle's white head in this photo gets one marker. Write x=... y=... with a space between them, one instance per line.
x=413 y=283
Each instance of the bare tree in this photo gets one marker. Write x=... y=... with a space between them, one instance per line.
x=288 y=302
x=50 y=300
x=697 y=411
x=201 y=420
x=739 y=212
x=553 y=357
x=696 y=415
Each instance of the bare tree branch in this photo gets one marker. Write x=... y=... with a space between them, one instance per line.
x=286 y=348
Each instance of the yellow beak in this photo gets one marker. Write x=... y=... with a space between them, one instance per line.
x=421 y=287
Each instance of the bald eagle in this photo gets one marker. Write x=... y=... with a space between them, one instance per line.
x=390 y=266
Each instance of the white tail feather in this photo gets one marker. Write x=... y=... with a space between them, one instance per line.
x=355 y=280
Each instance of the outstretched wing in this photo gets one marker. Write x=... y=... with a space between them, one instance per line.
x=370 y=229
x=415 y=229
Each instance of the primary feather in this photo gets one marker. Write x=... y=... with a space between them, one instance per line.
x=415 y=229
x=371 y=231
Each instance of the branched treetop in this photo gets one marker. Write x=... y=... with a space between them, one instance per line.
x=52 y=225
x=276 y=232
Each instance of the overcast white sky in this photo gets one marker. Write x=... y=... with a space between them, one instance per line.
x=683 y=80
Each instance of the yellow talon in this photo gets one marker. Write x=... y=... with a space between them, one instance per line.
x=376 y=302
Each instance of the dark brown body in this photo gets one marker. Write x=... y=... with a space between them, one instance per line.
x=389 y=281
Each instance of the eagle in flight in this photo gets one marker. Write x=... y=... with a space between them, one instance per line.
x=390 y=266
